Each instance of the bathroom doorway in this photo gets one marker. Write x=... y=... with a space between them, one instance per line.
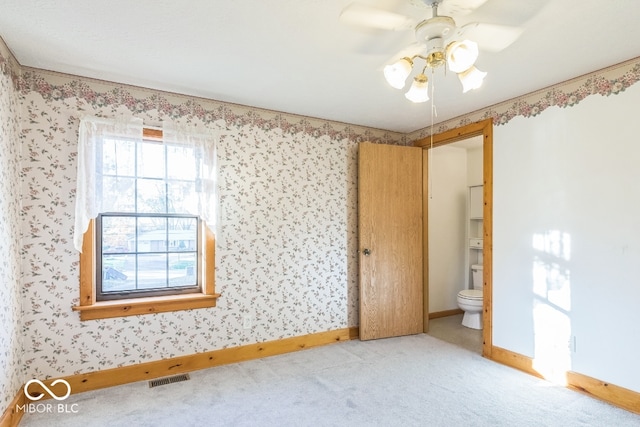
x=454 y=169
x=443 y=311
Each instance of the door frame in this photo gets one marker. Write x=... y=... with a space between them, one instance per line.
x=483 y=128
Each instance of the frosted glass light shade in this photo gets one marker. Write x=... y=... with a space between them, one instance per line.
x=471 y=79
x=462 y=55
x=419 y=91
x=397 y=73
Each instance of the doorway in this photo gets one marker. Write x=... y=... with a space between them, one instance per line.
x=455 y=173
x=484 y=130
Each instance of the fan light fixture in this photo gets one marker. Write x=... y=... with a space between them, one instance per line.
x=471 y=79
x=419 y=91
x=457 y=56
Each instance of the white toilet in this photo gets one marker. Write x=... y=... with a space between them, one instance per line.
x=470 y=300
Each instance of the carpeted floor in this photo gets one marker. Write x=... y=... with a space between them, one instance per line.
x=417 y=380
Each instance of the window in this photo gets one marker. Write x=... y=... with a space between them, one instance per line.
x=145 y=249
x=147 y=243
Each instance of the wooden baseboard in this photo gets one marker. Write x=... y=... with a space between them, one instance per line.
x=445 y=313
x=616 y=395
x=514 y=360
x=354 y=333
x=12 y=416
x=610 y=393
x=178 y=365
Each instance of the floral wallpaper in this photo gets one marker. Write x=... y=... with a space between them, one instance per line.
x=287 y=254
x=11 y=377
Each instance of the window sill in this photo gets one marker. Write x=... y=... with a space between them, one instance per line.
x=133 y=307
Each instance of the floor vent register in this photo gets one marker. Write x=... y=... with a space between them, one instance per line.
x=168 y=380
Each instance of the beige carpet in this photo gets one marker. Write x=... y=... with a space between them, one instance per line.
x=409 y=381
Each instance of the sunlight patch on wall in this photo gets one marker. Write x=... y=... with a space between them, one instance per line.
x=552 y=305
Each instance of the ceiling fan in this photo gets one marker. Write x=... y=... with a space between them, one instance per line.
x=438 y=42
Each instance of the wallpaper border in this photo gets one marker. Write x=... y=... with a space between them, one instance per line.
x=55 y=86
x=9 y=65
x=607 y=81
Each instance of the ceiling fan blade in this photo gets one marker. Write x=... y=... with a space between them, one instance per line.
x=491 y=37
x=383 y=46
x=361 y=15
x=508 y=12
x=409 y=51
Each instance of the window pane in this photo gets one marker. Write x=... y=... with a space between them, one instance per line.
x=182 y=197
x=183 y=234
x=118 y=194
x=182 y=269
x=118 y=234
x=118 y=157
x=152 y=234
x=151 y=196
x=151 y=162
x=118 y=273
x=180 y=163
x=152 y=271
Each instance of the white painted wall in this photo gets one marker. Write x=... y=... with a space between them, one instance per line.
x=474 y=165
x=567 y=238
x=447 y=213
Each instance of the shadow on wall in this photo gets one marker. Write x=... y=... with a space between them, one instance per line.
x=553 y=339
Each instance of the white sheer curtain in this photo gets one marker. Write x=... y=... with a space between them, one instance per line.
x=91 y=133
x=202 y=143
x=195 y=145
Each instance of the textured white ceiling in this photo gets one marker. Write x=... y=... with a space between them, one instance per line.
x=295 y=56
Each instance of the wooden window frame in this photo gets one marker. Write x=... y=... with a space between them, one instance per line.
x=102 y=295
x=90 y=309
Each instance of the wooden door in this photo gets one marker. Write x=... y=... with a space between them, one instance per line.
x=390 y=245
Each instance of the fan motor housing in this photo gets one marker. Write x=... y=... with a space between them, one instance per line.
x=437 y=27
